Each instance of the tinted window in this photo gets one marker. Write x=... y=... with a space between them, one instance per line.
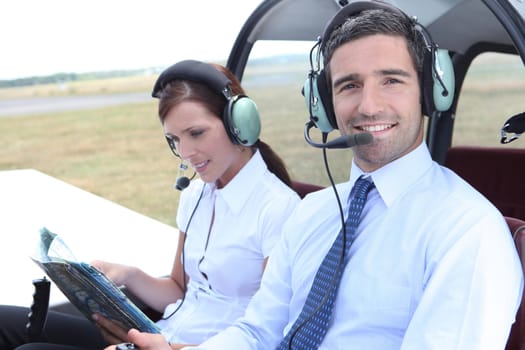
x=492 y=93
x=275 y=84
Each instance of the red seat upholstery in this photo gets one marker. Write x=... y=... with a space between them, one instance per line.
x=495 y=172
x=516 y=339
x=303 y=188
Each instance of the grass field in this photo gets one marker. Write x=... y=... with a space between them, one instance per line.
x=119 y=152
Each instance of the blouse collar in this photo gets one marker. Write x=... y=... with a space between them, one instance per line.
x=236 y=193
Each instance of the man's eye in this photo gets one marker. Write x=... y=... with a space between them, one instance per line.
x=349 y=86
x=346 y=87
x=392 y=81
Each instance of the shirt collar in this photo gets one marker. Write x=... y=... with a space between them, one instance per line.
x=393 y=179
x=236 y=193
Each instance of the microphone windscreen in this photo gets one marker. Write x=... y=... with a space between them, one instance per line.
x=515 y=124
x=182 y=183
x=363 y=138
x=348 y=141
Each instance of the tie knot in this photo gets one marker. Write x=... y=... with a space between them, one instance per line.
x=362 y=186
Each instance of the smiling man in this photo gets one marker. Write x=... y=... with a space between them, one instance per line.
x=377 y=93
x=432 y=264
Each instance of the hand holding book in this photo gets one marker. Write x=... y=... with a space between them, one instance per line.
x=86 y=287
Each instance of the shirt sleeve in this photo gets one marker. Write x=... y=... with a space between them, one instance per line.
x=272 y=220
x=457 y=308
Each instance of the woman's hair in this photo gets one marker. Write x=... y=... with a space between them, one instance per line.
x=179 y=91
x=378 y=21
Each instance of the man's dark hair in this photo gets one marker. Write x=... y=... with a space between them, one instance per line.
x=378 y=21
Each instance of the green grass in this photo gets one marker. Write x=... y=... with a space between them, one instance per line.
x=119 y=152
x=115 y=152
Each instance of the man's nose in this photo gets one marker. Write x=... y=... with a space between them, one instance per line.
x=371 y=102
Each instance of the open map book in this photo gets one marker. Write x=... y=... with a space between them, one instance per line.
x=86 y=287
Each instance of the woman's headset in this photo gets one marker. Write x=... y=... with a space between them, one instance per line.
x=437 y=85
x=240 y=116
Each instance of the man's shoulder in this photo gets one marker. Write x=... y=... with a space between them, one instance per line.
x=455 y=197
x=324 y=200
x=459 y=190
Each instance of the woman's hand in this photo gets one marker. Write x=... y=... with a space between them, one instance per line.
x=149 y=341
x=117 y=273
x=111 y=331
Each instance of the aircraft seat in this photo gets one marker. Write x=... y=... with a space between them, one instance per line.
x=303 y=188
x=496 y=172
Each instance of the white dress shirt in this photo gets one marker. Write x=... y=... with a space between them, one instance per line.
x=434 y=266
x=225 y=269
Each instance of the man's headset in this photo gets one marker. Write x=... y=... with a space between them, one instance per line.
x=437 y=88
x=516 y=125
x=240 y=116
x=437 y=83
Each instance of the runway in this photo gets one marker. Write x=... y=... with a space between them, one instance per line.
x=43 y=105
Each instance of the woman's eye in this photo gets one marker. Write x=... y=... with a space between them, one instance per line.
x=196 y=133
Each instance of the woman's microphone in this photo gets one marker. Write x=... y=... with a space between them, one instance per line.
x=182 y=180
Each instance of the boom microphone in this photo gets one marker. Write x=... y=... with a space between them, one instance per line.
x=346 y=141
x=516 y=125
x=182 y=183
x=182 y=180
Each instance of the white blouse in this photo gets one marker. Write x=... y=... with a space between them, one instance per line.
x=226 y=266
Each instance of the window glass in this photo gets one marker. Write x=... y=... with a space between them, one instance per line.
x=492 y=92
x=275 y=84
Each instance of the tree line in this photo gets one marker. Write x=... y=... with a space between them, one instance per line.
x=68 y=77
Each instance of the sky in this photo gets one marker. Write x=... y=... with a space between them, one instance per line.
x=42 y=37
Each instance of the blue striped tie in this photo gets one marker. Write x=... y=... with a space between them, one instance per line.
x=312 y=324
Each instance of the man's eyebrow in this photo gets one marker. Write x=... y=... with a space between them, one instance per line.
x=344 y=79
x=382 y=72
x=401 y=72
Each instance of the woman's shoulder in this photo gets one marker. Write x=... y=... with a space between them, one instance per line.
x=277 y=188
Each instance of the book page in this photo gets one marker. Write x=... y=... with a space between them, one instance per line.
x=86 y=287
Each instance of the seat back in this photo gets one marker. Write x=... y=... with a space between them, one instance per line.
x=516 y=339
x=495 y=172
x=303 y=188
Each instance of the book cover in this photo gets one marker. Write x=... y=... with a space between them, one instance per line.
x=86 y=287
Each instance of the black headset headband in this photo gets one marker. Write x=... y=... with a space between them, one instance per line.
x=240 y=116
x=353 y=9
x=195 y=71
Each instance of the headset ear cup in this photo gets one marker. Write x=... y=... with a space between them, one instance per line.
x=319 y=102
x=444 y=67
x=242 y=121
x=324 y=91
x=435 y=98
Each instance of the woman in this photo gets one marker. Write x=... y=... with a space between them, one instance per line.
x=229 y=219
